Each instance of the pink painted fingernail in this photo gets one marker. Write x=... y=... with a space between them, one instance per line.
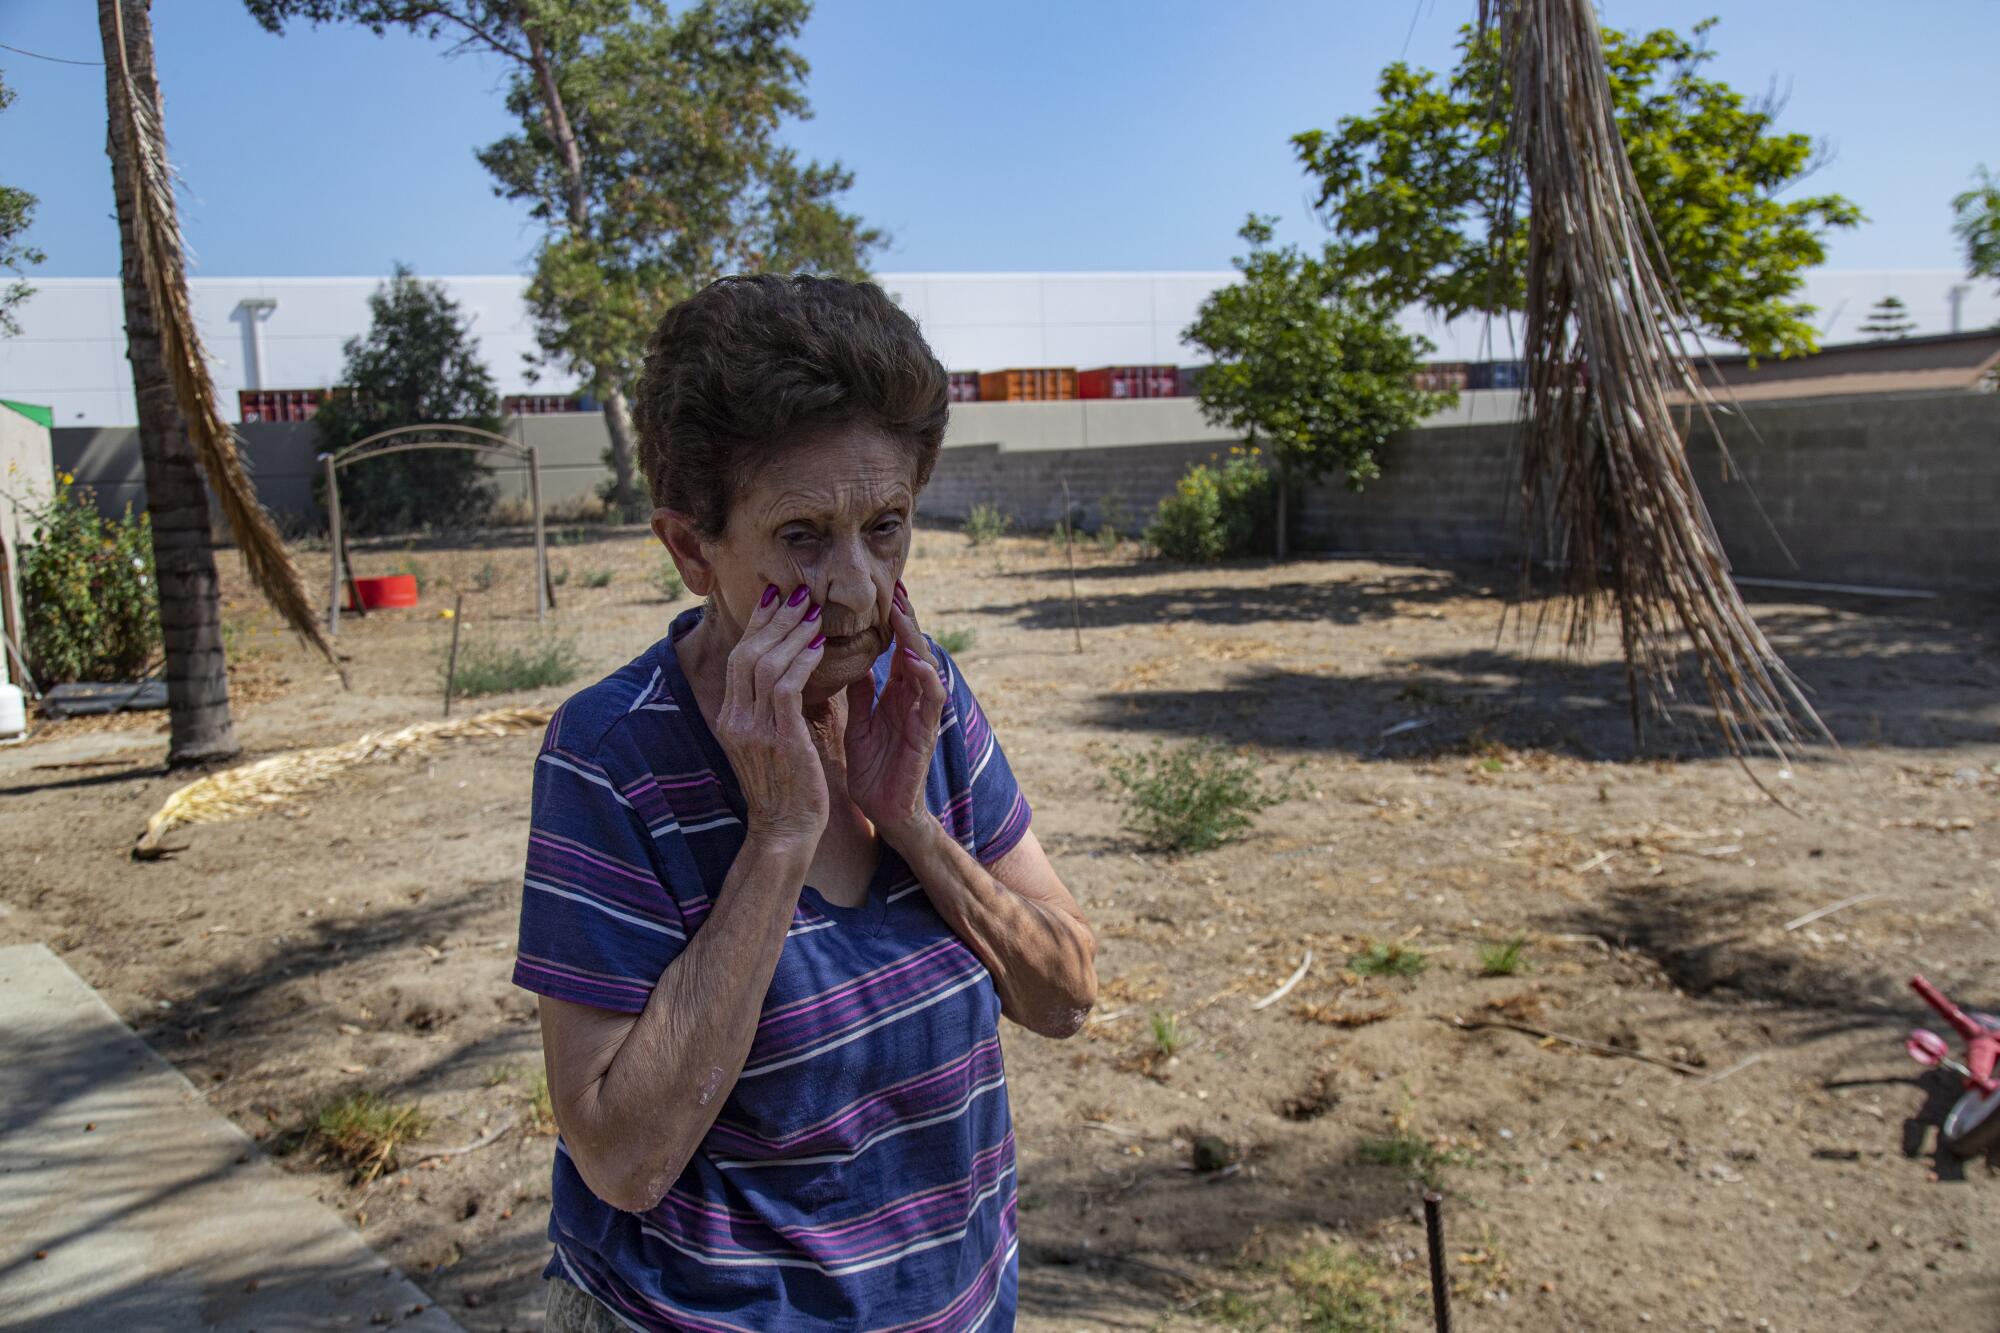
x=798 y=595
x=770 y=594
x=813 y=614
x=817 y=641
x=915 y=657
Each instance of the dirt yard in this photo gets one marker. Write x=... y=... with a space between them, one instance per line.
x=1733 y=1139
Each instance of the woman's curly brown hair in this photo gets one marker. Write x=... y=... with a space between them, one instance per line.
x=752 y=366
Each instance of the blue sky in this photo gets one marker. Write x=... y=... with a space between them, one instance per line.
x=1092 y=134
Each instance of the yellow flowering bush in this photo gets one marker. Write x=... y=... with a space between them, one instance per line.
x=1216 y=513
x=87 y=590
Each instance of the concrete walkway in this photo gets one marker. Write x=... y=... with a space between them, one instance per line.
x=129 y=1205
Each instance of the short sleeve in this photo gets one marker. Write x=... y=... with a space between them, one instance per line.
x=999 y=812
x=598 y=924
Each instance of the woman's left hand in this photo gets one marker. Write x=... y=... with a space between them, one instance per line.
x=890 y=736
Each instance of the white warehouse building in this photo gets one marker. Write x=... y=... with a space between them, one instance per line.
x=277 y=334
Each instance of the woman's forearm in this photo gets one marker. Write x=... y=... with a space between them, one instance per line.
x=1042 y=956
x=660 y=1088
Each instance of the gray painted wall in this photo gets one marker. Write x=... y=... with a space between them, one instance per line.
x=1877 y=490
x=284 y=458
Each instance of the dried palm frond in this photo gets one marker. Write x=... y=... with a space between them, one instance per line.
x=1607 y=492
x=156 y=230
x=245 y=790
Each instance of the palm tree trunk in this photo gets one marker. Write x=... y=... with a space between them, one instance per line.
x=176 y=500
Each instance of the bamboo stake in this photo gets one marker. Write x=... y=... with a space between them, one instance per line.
x=451 y=666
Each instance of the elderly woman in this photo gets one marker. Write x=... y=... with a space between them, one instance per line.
x=780 y=882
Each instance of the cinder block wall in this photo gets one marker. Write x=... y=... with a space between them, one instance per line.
x=1874 y=490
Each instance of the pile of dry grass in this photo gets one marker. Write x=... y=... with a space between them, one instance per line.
x=237 y=792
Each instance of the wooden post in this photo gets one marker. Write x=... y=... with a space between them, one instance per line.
x=451 y=663
x=333 y=546
x=1069 y=547
x=545 y=594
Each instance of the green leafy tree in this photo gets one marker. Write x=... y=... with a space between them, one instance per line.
x=648 y=152
x=1889 y=318
x=1305 y=369
x=418 y=364
x=1978 y=225
x=1414 y=191
x=17 y=210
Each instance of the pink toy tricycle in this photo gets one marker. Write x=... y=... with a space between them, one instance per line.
x=1973 y=1125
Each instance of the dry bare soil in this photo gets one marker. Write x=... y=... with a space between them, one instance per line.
x=1776 y=1171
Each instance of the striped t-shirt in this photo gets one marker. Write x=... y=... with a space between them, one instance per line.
x=861 y=1173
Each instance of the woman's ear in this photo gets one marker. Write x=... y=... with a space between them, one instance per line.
x=683 y=541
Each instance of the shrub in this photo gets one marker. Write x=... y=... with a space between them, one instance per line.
x=87 y=590
x=485 y=577
x=1191 y=798
x=596 y=578
x=985 y=523
x=667 y=578
x=955 y=641
x=500 y=668
x=1215 y=513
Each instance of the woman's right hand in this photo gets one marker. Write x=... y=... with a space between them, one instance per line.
x=762 y=726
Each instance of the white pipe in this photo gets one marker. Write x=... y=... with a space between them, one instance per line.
x=254 y=308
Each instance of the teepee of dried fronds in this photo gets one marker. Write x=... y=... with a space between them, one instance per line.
x=1607 y=491
x=237 y=792
x=157 y=232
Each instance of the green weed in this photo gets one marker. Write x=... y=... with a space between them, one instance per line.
x=1390 y=959
x=1167 y=1036
x=596 y=578
x=1193 y=797
x=985 y=523
x=365 y=1130
x=955 y=641
x=1503 y=959
x=667 y=579
x=485 y=668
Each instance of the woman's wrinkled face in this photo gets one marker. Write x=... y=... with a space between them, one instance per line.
x=833 y=513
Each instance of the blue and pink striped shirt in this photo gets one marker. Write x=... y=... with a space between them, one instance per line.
x=861 y=1173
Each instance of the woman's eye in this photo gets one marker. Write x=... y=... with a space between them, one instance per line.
x=795 y=537
x=888 y=527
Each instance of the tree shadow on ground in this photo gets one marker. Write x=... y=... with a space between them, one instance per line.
x=1920 y=683
x=1150 y=1227
x=1344 y=602
x=1702 y=936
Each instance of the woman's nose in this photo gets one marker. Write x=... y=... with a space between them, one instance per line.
x=849 y=584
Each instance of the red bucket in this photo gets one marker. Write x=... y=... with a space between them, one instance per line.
x=388 y=590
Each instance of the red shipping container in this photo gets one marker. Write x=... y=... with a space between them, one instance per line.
x=1040 y=384
x=1128 y=382
x=1440 y=376
x=963 y=385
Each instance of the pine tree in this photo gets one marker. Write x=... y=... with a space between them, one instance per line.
x=417 y=365
x=1889 y=318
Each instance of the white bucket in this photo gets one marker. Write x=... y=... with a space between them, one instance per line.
x=13 y=712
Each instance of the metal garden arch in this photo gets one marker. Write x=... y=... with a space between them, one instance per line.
x=398 y=441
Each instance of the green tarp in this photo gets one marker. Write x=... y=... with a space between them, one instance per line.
x=45 y=417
